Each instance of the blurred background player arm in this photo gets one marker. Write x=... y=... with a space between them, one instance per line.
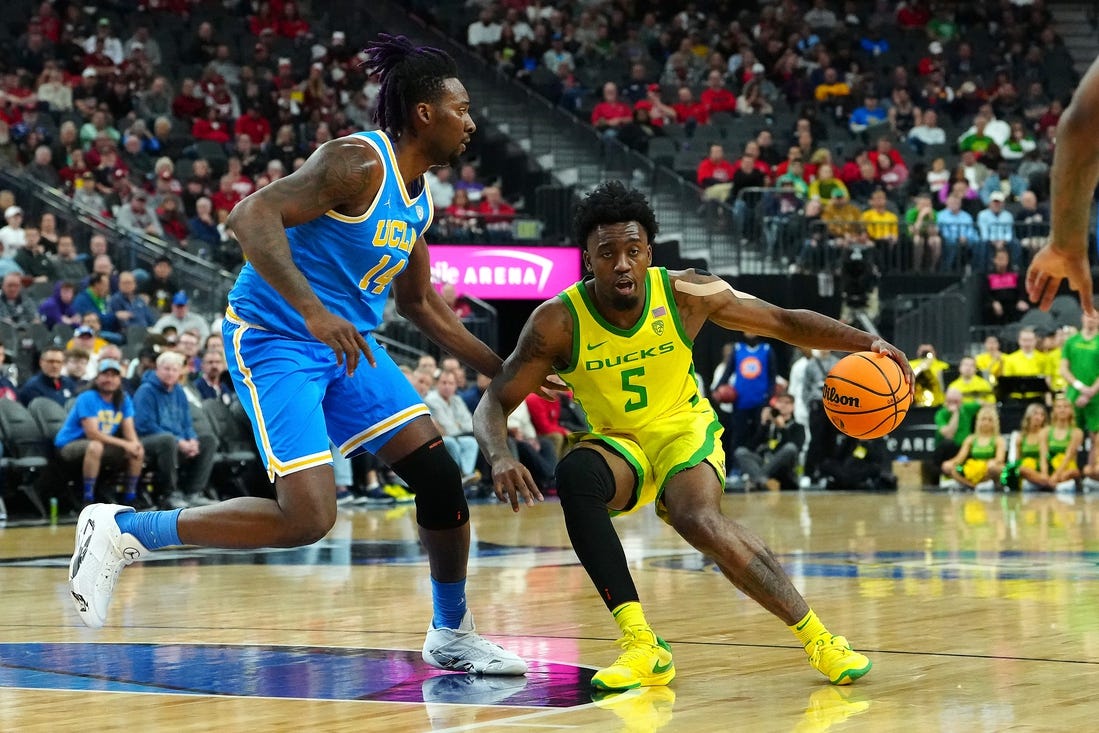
x=1073 y=178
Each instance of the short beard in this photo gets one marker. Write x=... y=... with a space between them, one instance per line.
x=624 y=302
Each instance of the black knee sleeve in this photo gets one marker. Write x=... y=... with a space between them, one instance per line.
x=584 y=473
x=585 y=485
x=433 y=476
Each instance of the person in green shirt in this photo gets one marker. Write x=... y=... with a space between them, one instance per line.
x=980 y=461
x=1080 y=367
x=953 y=424
x=920 y=223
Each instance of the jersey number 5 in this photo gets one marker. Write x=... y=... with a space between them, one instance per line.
x=377 y=284
x=641 y=398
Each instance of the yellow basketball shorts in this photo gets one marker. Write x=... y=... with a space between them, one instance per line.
x=663 y=448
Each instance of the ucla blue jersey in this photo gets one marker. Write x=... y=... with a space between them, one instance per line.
x=349 y=261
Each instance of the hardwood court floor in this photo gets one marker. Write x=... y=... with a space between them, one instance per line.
x=980 y=614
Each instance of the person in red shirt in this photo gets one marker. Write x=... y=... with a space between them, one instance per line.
x=226 y=197
x=689 y=110
x=611 y=113
x=913 y=15
x=189 y=103
x=265 y=19
x=715 y=168
x=715 y=97
x=545 y=416
x=291 y=24
x=660 y=114
x=884 y=147
x=253 y=124
x=210 y=128
x=172 y=219
x=496 y=214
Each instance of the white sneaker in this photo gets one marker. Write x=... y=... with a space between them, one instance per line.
x=986 y=485
x=1065 y=487
x=1088 y=484
x=464 y=650
x=100 y=554
x=1029 y=486
x=949 y=484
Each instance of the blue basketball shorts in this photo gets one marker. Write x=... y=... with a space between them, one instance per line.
x=297 y=397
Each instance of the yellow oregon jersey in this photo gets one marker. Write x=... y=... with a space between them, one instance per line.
x=625 y=379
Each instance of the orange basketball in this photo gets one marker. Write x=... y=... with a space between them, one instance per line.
x=865 y=395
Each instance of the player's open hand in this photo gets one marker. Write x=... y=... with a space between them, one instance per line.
x=551 y=384
x=512 y=482
x=340 y=336
x=1050 y=267
x=881 y=346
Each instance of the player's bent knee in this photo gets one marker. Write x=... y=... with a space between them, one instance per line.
x=583 y=472
x=435 y=479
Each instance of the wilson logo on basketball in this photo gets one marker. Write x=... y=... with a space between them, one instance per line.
x=831 y=394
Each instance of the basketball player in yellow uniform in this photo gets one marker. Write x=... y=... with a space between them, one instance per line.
x=622 y=342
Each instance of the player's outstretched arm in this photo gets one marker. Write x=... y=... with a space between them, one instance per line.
x=700 y=297
x=341 y=172
x=1073 y=178
x=545 y=343
x=420 y=303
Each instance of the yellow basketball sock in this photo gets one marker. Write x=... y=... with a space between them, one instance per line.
x=629 y=615
x=808 y=629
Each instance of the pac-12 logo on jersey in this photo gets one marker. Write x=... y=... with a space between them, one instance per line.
x=394 y=233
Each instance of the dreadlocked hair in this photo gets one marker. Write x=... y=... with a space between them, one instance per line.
x=409 y=75
x=612 y=203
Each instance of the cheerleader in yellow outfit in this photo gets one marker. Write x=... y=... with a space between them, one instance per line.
x=1062 y=443
x=981 y=457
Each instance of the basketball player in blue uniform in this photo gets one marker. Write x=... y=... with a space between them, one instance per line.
x=324 y=246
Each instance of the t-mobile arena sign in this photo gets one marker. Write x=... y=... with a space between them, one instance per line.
x=515 y=273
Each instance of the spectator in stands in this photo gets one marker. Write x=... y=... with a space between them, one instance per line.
x=127 y=307
x=640 y=131
x=1027 y=361
x=1003 y=295
x=924 y=234
x=57 y=308
x=956 y=227
x=926 y=131
x=76 y=365
x=545 y=414
x=826 y=184
x=172 y=220
x=973 y=386
x=458 y=303
x=213 y=381
x=67 y=263
x=611 y=113
x=442 y=190
x=47 y=229
x=93 y=299
x=136 y=216
x=953 y=424
x=203 y=226
x=832 y=92
x=53 y=90
x=99 y=429
x=1019 y=144
x=660 y=114
x=483 y=33
x=49 y=381
x=716 y=97
x=1005 y=182
x=869 y=114
x=187 y=345
x=88 y=335
x=182 y=319
x=716 y=170
x=974 y=170
x=33 y=260
x=16 y=307
x=557 y=56
x=42 y=169
x=990 y=361
x=751 y=100
x=467 y=181
x=455 y=423
x=161 y=286
x=12 y=235
x=462 y=221
x=938 y=178
x=882 y=224
x=162 y=417
x=9 y=151
x=997 y=228
x=1031 y=223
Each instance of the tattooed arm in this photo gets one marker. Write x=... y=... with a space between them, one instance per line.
x=706 y=297
x=342 y=175
x=544 y=344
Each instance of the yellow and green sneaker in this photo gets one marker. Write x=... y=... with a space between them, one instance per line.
x=646 y=661
x=832 y=656
x=399 y=493
x=644 y=710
